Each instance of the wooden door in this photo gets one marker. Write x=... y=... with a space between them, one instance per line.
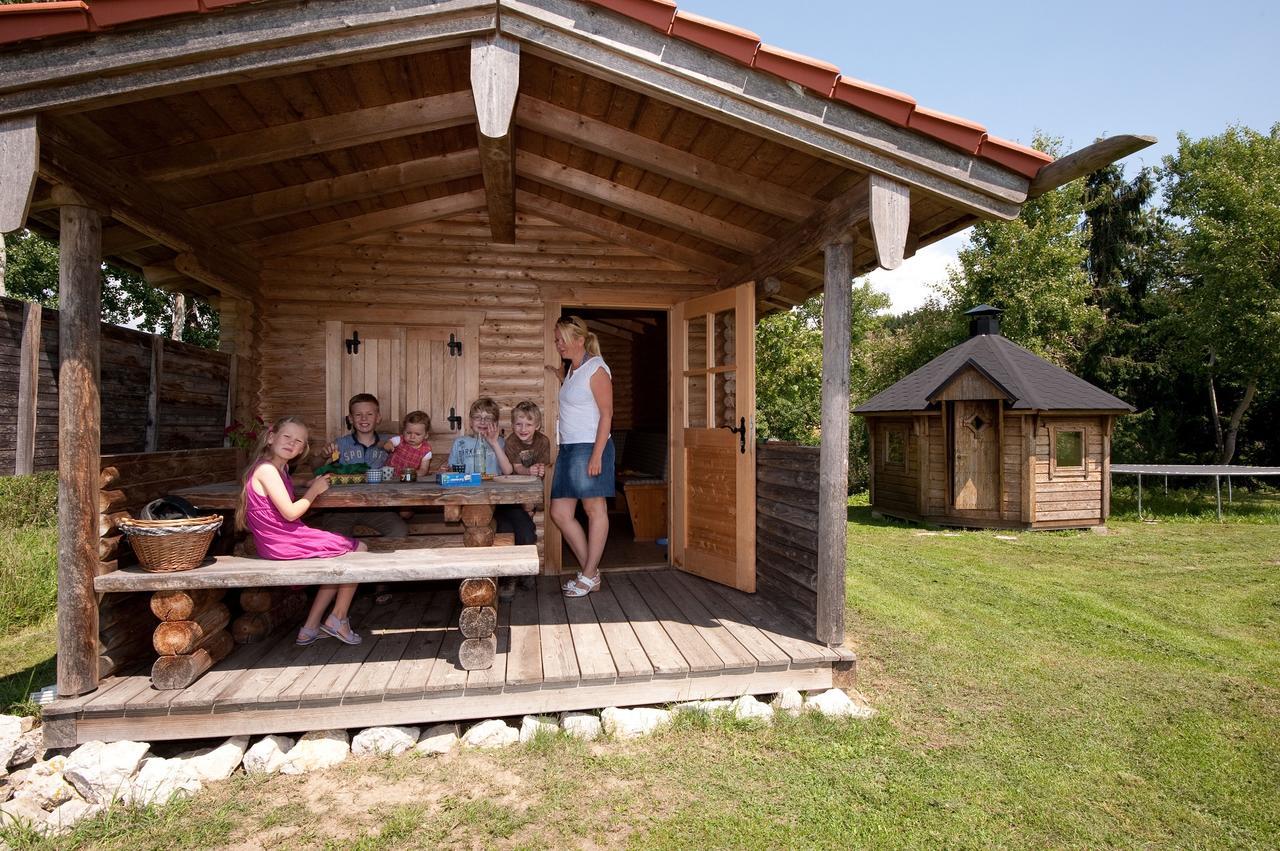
x=433 y=378
x=976 y=462
x=713 y=516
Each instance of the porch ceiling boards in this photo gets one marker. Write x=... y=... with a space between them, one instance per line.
x=298 y=163
x=645 y=638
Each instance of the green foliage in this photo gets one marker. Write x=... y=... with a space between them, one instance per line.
x=28 y=501
x=31 y=274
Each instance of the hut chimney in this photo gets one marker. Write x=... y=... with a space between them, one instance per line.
x=984 y=319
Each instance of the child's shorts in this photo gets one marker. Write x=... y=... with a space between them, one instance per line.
x=571 y=480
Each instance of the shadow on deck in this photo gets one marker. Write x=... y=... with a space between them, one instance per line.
x=648 y=637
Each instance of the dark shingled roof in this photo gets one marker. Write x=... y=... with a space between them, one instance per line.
x=1032 y=382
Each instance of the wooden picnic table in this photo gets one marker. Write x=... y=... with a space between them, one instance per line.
x=472 y=505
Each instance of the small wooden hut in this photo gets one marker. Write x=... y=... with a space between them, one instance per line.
x=441 y=180
x=989 y=435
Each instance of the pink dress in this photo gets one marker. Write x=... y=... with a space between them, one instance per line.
x=281 y=539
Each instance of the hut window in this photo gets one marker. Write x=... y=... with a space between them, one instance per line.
x=1069 y=449
x=895 y=447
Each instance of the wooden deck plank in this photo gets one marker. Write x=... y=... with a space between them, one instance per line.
x=693 y=634
x=240 y=664
x=494 y=677
x=118 y=698
x=370 y=682
x=331 y=681
x=766 y=653
x=595 y=663
x=663 y=652
x=246 y=689
x=624 y=647
x=524 y=660
x=559 y=662
x=153 y=701
x=446 y=674
x=306 y=664
x=414 y=668
x=779 y=629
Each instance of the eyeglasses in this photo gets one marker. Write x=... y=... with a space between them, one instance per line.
x=483 y=418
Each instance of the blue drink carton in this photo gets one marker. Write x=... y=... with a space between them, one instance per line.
x=457 y=480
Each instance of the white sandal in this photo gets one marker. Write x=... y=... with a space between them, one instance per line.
x=581 y=586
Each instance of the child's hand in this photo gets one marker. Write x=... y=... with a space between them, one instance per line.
x=539 y=470
x=319 y=485
x=331 y=451
x=389 y=445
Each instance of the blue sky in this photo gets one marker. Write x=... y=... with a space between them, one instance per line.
x=1076 y=70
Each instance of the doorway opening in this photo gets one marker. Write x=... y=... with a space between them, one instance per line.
x=634 y=344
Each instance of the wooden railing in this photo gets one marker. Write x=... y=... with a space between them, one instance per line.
x=787 y=528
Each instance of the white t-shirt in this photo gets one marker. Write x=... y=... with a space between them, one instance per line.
x=579 y=414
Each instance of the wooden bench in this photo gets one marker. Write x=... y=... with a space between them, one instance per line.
x=192 y=635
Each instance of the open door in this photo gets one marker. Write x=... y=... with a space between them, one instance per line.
x=713 y=451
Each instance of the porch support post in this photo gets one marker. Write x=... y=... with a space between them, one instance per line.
x=833 y=477
x=79 y=436
x=495 y=80
x=28 y=390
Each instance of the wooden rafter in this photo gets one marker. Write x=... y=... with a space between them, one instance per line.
x=637 y=203
x=833 y=222
x=136 y=204
x=327 y=133
x=1087 y=160
x=643 y=152
x=620 y=234
x=345 y=230
x=19 y=157
x=261 y=206
x=495 y=81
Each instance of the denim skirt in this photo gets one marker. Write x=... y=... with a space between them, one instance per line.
x=571 y=480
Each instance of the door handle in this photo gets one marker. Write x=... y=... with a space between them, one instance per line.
x=741 y=432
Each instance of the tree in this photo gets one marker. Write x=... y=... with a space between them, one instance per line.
x=1033 y=268
x=1221 y=189
x=32 y=274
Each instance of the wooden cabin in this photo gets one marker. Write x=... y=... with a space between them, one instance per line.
x=989 y=435
x=442 y=180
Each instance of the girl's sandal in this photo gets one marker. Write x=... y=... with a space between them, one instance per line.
x=340 y=628
x=308 y=636
x=582 y=585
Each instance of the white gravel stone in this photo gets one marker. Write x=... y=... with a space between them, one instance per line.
x=747 y=708
x=440 y=739
x=581 y=725
x=789 y=701
x=23 y=811
x=836 y=704
x=531 y=726
x=317 y=750
x=210 y=765
x=494 y=733
x=71 y=813
x=268 y=755
x=384 y=741
x=100 y=772
x=633 y=723
x=159 y=781
x=10 y=733
x=47 y=790
x=30 y=747
x=53 y=765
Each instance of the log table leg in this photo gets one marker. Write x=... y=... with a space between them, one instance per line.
x=191 y=637
x=479 y=617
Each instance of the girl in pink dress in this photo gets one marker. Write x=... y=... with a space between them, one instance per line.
x=270 y=512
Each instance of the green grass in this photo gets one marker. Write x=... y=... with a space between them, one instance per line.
x=1191 y=503
x=28 y=587
x=1058 y=689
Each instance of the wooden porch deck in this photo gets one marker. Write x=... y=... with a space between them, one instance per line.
x=646 y=637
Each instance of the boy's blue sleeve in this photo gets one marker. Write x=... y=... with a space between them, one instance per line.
x=456 y=453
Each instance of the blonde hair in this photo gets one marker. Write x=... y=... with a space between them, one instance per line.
x=530 y=409
x=484 y=405
x=417 y=418
x=576 y=327
x=261 y=452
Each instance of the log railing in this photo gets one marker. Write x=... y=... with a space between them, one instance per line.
x=787 y=528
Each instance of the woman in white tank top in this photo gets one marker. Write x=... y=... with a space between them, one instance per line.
x=584 y=465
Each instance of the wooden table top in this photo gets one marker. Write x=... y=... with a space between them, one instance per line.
x=223 y=495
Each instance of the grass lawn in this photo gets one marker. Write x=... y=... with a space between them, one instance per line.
x=1058 y=689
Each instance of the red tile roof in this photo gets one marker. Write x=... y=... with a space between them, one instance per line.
x=22 y=21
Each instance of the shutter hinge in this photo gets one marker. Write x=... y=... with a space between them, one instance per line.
x=455 y=347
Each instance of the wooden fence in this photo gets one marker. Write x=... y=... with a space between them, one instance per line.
x=787 y=528
x=157 y=394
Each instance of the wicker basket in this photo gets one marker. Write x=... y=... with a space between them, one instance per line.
x=168 y=546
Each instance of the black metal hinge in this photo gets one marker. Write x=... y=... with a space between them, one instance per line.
x=353 y=343
x=455 y=421
x=455 y=347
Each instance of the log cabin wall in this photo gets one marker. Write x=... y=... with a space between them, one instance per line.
x=896 y=466
x=127 y=483
x=1013 y=463
x=787 y=528
x=156 y=393
x=620 y=355
x=1070 y=497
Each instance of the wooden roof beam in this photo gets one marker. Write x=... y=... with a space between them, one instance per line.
x=136 y=204
x=313 y=136
x=495 y=80
x=19 y=167
x=890 y=218
x=620 y=234
x=637 y=203
x=330 y=191
x=610 y=330
x=829 y=225
x=345 y=230
x=1087 y=160
x=640 y=151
